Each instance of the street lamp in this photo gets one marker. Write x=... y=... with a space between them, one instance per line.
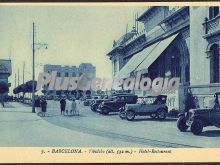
x=40 y=45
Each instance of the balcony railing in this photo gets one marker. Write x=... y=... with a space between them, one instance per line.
x=135 y=37
x=212 y=26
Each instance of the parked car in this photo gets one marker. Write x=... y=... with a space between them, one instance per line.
x=118 y=101
x=95 y=103
x=49 y=97
x=57 y=98
x=196 y=119
x=87 y=100
x=154 y=106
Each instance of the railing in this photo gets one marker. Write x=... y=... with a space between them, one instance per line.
x=149 y=36
x=173 y=10
x=213 y=25
x=134 y=37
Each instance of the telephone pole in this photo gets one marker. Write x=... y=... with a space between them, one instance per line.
x=40 y=45
x=33 y=71
x=23 y=70
x=23 y=77
x=18 y=82
x=15 y=82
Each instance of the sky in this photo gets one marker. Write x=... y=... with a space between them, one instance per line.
x=74 y=34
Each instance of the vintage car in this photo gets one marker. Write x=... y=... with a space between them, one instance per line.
x=86 y=100
x=154 y=106
x=56 y=98
x=117 y=101
x=91 y=100
x=95 y=103
x=196 y=119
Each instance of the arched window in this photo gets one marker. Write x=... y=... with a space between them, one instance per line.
x=58 y=74
x=214 y=64
x=213 y=11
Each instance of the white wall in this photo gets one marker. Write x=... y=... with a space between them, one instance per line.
x=199 y=64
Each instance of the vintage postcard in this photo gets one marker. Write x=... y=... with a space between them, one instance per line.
x=110 y=82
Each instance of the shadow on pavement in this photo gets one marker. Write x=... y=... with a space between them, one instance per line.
x=110 y=114
x=67 y=116
x=211 y=133
x=15 y=111
x=149 y=119
x=25 y=120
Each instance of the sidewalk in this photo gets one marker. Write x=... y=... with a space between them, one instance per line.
x=21 y=128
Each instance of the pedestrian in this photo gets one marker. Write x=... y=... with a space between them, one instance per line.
x=2 y=101
x=189 y=101
x=38 y=104
x=216 y=102
x=43 y=106
x=63 y=105
x=77 y=109
x=73 y=107
x=68 y=106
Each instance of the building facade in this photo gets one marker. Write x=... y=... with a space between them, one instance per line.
x=68 y=71
x=161 y=50
x=205 y=53
x=5 y=72
x=177 y=42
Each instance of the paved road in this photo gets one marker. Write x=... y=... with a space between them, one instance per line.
x=21 y=128
x=141 y=132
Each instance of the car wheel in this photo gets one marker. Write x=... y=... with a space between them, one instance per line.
x=93 y=108
x=153 y=115
x=162 y=114
x=122 y=115
x=105 y=111
x=181 y=124
x=130 y=115
x=196 y=127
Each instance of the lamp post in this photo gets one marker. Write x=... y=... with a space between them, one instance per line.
x=33 y=66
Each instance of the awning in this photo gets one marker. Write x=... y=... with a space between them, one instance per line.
x=134 y=62
x=142 y=60
x=151 y=57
